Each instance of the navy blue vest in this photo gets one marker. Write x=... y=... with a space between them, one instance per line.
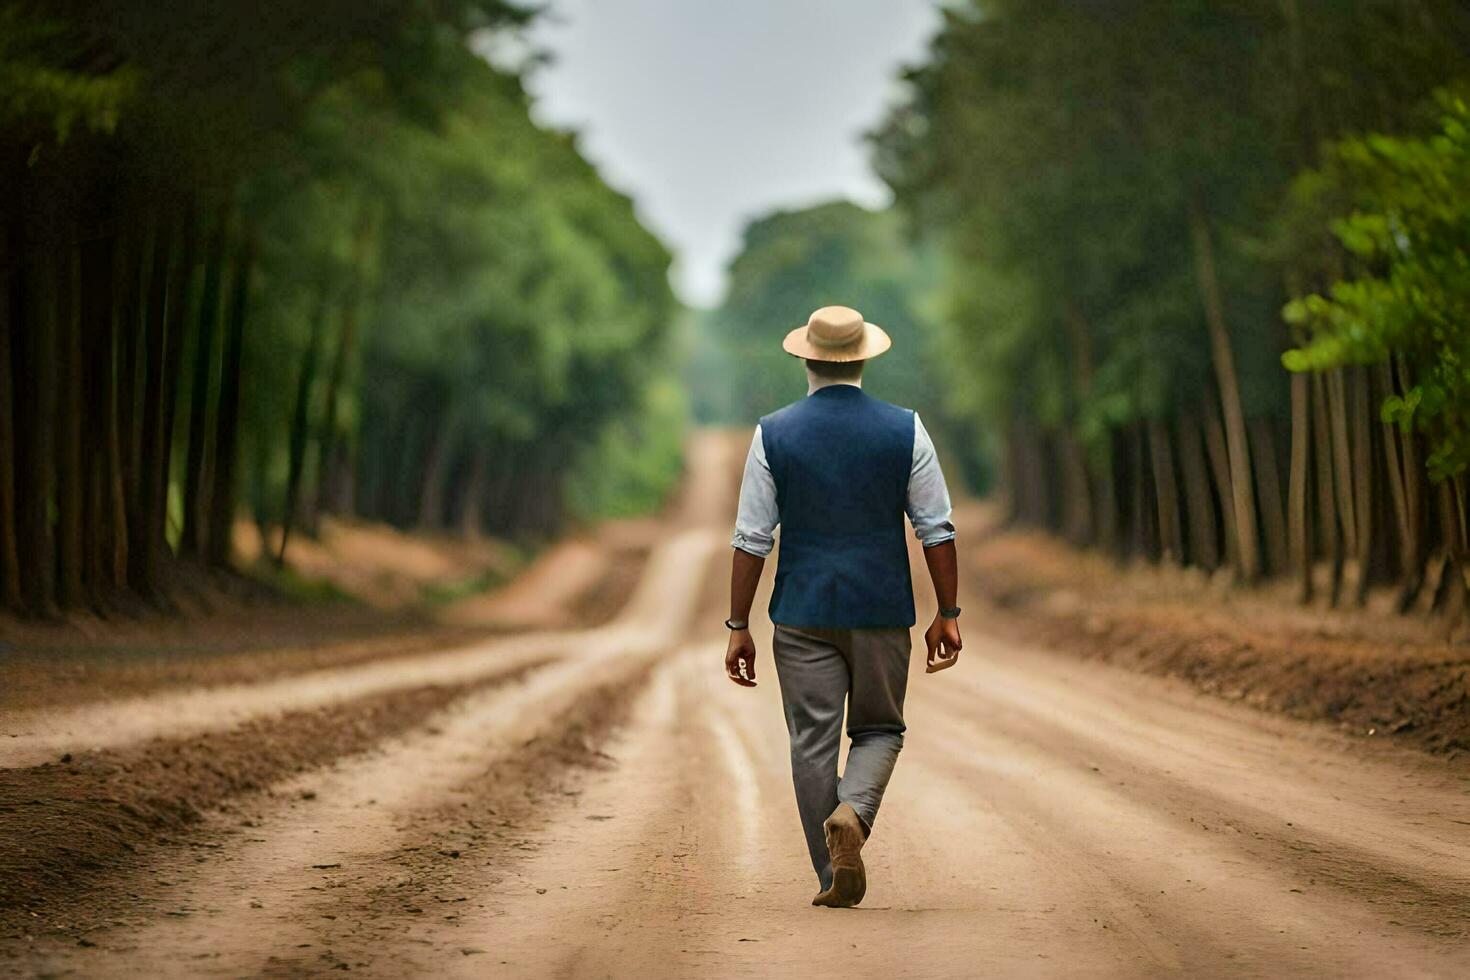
x=841 y=463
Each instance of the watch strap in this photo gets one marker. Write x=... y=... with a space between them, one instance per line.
x=737 y=624
x=952 y=613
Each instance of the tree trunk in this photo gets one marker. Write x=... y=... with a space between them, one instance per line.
x=196 y=466
x=1338 y=414
x=260 y=510
x=1450 y=597
x=166 y=265
x=10 y=594
x=472 y=498
x=1080 y=526
x=1296 y=496
x=1414 y=502
x=300 y=425
x=1023 y=507
x=71 y=482
x=1362 y=456
x=221 y=532
x=94 y=411
x=106 y=523
x=1327 y=521
x=1241 y=482
x=332 y=474
x=36 y=482
x=1393 y=469
x=1457 y=482
x=1141 y=536
x=113 y=360
x=176 y=311
x=1106 y=521
x=1043 y=460
x=1038 y=488
x=131 y=333
x=1010 y=473
x=1204 y=548
x=1077 y=497
x=431 y=509
x=1220 y=468
x=1023 y=498
x=402 y=483
x=329 y=448
x=1268 y=480
x=1166 y=488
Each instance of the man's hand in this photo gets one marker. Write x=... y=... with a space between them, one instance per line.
x=943 y=633
x=740 y=658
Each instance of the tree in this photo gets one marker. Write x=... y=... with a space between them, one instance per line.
x=791 y=263
x=201 y=207
x=1107 y=182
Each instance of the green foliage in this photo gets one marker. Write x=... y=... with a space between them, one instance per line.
x=1407 y=239
x=636 y=461
x=513 y=304
x=1062 y=153
x=433 y=594
x=446 y=310
x=40 y=94
x=1056 y=146
x=792 y=263
x=288 y=582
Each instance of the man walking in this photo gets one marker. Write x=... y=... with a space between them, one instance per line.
x=837 y=471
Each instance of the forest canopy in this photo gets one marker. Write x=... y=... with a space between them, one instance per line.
x=1144 y=205
x=311 y=261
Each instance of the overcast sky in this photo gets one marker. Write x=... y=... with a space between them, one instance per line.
x=710 y=112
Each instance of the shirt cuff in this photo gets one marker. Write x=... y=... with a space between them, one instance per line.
x=935 y=534
x=752 y=544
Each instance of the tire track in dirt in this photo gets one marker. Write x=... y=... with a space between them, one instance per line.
x=701 y=871
x=1219 y=895
x=630 y=878
x=71 y=829
x=370 y=812
x=35 y=737
x=407 y=861
x=625 y=811
x=1337 y=837
x=1000 y=851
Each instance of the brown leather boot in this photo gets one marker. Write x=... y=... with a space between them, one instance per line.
x=845 y=838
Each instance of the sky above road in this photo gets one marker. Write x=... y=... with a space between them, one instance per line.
x=711 y=112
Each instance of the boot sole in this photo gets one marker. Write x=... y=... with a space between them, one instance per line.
x=849 y=877
x=850 y=885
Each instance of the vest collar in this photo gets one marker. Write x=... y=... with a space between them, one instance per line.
x=837 y=389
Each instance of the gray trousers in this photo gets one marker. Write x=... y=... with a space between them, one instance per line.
x=819 y=670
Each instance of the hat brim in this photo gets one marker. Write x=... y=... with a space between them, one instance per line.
x=874 y=341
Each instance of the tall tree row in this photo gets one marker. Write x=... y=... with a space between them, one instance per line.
x=792 y=262
x=1129 y=194
x=284 y=261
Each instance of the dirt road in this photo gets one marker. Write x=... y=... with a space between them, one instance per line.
x=602 y=803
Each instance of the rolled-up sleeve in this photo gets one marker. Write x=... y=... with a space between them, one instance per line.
x=928 y=500
x=756 y=520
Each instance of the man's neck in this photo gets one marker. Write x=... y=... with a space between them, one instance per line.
x=814 y=383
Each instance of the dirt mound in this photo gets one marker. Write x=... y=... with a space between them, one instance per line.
x=1370 y=672
x=383 y=566
x=66 y=826
x=582 y=581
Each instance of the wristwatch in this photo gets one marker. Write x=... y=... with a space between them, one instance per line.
x=950 y=613
x=736 y=624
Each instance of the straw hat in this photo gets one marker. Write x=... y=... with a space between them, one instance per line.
x=836 y=333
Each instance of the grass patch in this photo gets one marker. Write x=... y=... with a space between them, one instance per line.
x=293 y=585
x=435 y=594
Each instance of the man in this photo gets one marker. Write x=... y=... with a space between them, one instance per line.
x=837 y=471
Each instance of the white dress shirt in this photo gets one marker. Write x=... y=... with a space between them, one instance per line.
x=928 y=504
